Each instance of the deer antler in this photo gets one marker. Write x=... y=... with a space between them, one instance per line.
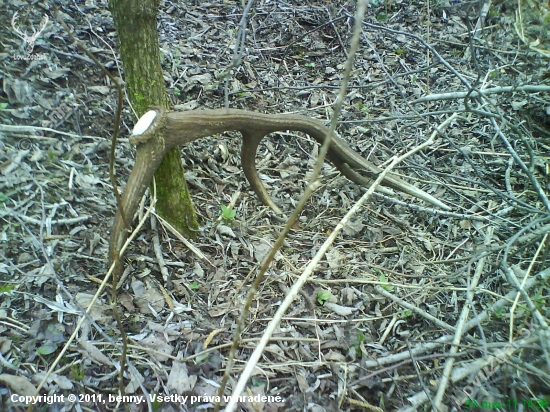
x=26 y=38
x=169 y=129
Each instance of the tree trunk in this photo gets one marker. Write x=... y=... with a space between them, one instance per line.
x=136 y=26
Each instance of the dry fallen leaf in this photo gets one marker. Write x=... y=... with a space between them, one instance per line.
x=98 y=310
x=18 y=384
x=147 y=295
x=179 y=380
x=156 y=342
x=94 y=353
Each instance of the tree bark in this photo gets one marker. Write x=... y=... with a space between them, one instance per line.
x=136 y=26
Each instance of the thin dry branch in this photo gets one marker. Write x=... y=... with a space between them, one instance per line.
x=482 y=92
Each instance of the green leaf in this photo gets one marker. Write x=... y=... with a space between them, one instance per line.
x=322 y=297
x=3 y=106
x=202 y=358
x=157 y=405
x=257 y=381
x=228 y=214
x=47 y=349
x=194 y=285
x=77 y=371
x=6 y=288
x=384 y=279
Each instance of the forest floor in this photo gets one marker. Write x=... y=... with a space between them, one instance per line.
x=411 y=308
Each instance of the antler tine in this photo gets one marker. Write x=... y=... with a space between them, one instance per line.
x=249 y=147
x=45 y=19
x=23 y=35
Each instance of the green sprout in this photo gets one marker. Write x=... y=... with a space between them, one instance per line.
x=382 y=278
x=382 y=16
x=228 y=214
x=6 y=288
x=406 y=313
x=77 y=371
x=322 y=296
x=355 y=347
x=363 y=108
x=498 y=313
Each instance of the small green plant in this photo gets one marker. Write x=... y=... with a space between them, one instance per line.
x=257 y=381
x=52 y=154
x=399 y=52
x=382 y=16
x=77 y=371
x=323 y=296
x=539 y=300
x=194 y=285
x=311 y=64
x=382 y=278
x=6 y=288
x=3 y=106
x=498 y=313
x=228 y=214
x=157 y=405
x=363 y=108
x=46 y=349
x=355 y=347
x=406 y=313
x=360 y=338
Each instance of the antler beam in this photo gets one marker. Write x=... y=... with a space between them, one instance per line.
x=162 y=131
